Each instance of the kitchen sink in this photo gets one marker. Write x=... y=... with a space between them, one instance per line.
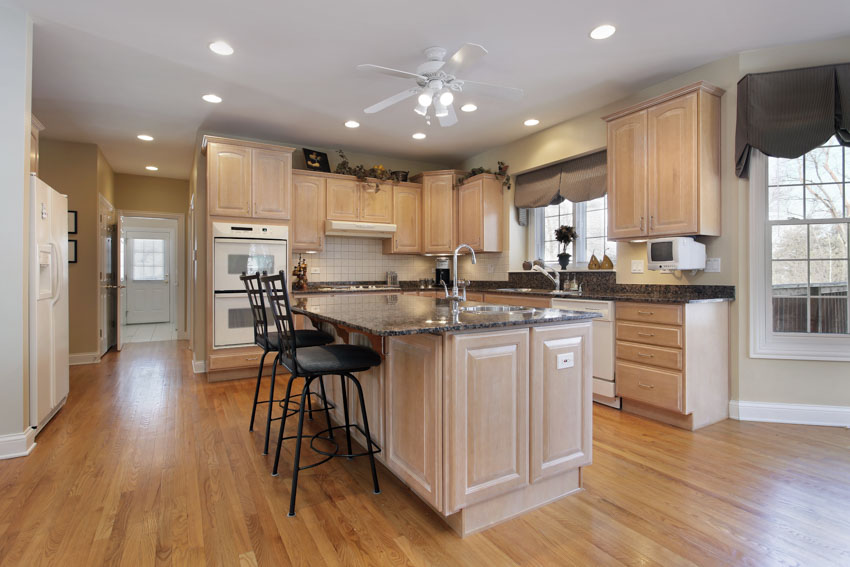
x=494 y=309
x=519 y=289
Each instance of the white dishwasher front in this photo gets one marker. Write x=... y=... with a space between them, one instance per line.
x=604 y=384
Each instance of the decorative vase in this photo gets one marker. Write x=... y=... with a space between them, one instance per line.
x=564 y=260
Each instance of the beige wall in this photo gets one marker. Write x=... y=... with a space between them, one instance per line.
x=72 y=168
x=752 y=379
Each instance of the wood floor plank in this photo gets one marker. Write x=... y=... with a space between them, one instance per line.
x=148 y=464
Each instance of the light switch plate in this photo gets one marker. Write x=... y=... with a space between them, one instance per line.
x=315 y=270
x=712 y=264
x=637 y=266
x=566 y=360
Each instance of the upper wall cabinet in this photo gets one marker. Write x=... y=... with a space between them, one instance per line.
x=438 y=211
x=351 y=200
x=664 y=165
x=480 y=211
x=308 y=221
x=248 y=179
x=407 y=216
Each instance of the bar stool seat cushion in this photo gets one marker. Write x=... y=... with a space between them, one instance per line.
x=303 y=338
x=333 y=359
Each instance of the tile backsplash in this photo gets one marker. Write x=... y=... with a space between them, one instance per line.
x=362 y=259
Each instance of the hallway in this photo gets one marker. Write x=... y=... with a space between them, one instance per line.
x=149 y=464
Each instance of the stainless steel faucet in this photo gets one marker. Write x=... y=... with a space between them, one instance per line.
x=543 y=270
x=455 y=292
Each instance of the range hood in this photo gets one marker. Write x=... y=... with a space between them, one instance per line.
x=361 y=229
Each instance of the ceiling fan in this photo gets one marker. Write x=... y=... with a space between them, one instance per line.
x=436 y=83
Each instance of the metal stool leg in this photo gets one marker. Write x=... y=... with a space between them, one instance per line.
x=368 y=434
x=282 y=424
x=305 y=392
x=271 y=403
x=325 y=402
x=310 y=407
x=345 y=411
x=257 y=389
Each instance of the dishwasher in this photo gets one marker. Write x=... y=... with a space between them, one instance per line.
x=604 y=383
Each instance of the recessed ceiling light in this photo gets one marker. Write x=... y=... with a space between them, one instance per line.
x=469 y=107
x=221 y=48
x=531 y=122
x=603 y=32
x=352 y=124
x=151 y=168
x=419 y=136
x=145 y=137
x=215 y=99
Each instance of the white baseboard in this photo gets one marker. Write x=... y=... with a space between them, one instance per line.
x=17 y=444
x=199 y=366
x=77 y=358
x=802 y=414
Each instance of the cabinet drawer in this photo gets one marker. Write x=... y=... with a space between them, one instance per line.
x=650 y=313
x=649 y=334
x=652 y=386
x=241 y=360
x=644 y=354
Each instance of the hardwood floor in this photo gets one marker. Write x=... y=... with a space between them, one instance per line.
x=149 y=464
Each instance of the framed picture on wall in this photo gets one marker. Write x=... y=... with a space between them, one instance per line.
x=72 y=222
x=72 y=251
x=317 y=161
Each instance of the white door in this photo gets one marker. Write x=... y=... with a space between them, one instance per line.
x=148 y=289
x=121 y=291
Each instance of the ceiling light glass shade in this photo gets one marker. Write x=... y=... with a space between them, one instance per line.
x=425 y=99
x=531 y=122
x=151 y=168
x=603 y=32
x=215 y=99
x=446 y=98
x=419 y=136
x=145 y=137
x=469 y=107
x=352 y=124
x=421 y=110
x=221 y=48
x=440 y=109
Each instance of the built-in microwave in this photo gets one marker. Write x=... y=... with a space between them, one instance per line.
x=675 y=253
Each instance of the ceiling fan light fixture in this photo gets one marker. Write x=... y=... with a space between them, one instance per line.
x=425 y=99
x=469 y=107
x=446 y=98
x=421 y=110
x=419 y=136
x=602 y=32
x=440 y=109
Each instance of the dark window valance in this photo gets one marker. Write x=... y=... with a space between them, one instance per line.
x=788 y=113
x=577 y=180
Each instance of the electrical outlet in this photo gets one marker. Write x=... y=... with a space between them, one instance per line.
x=491 y=269
x=566 y=360
x=637 y=266
x=315 y=270
x=712 y=264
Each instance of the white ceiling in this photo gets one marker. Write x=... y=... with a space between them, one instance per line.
x=106 y=70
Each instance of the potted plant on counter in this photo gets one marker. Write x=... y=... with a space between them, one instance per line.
x=565 y=235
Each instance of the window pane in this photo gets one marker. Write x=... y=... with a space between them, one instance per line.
x=597 y=204
x=785 y=171
x=788 y=242
x=551 y=251
x=827 y=241
x=828 y=315
x=790 y=277
x=595 y=224
x=823 y=202
x=148 y=262
x=789 y=315
x=828 y=276
x=785 y=203
x=825 y=165
x=595 y=246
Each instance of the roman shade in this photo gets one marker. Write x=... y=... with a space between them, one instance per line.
x=576 y=180
x=788 y=113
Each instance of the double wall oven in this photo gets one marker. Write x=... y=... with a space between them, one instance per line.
x=239 y=248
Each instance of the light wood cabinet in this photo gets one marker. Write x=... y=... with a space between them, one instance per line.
x=229 y=180
x=351 y=200
x=480 y=212
x=307 y=230
x=376 y=203
x=664 y=165
x=407 y=216
x=271 y=180
x=438 y=212
x=343 y=196
x=487 y=421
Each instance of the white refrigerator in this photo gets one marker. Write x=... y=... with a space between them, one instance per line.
x=48 y=302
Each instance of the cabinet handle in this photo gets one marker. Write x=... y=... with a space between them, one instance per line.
x=646 y=386
x=641 y=222
x=646 y=312
x=252 y=358
x=645 y=334
x=651 y=221
x=644 y=355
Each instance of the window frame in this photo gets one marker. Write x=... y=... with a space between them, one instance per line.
x=764 y=341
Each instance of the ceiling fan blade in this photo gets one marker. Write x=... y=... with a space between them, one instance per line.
x=391 y=72
x=493 y=90
x=387 y=102
x=449 y=119
x=464 y=57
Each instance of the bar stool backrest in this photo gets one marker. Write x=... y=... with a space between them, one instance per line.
x=278 y=297
x=258 y=306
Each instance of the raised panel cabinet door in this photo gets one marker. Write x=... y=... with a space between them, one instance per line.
x=561 y=400
x=470 y=214
x=438 y=214
x=407 y=216
x=308 y=213
x=229 y=180
x=487 y=393
x=271 y=183
x=343 y=199
x=376 y=203
x=627 y=176
x=414 y=416
x=672 y=170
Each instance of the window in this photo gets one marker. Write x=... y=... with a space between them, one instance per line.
x=148 y=259
x=590 y=220
x=800 y=213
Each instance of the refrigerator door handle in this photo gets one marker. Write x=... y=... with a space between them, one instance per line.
x=55 y=288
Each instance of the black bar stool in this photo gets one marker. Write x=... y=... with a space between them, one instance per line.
x=269 y=343
x=311 y=363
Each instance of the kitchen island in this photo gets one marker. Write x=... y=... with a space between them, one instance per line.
x=484 y=413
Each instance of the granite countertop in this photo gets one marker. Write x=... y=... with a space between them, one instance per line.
x=683 y=295
x=397 y=314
